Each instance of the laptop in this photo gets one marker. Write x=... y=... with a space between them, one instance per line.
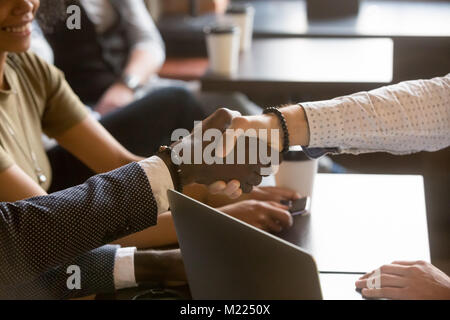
x=227 y=259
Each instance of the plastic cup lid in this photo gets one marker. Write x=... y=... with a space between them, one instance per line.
x=295 y=155
x=221 y=29
x=239 y=8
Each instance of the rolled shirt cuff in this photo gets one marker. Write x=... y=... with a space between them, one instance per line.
x=124 y=276
x=316 y=153
x=160 y=181
x=326 y=129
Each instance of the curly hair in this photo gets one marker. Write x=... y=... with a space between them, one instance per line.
x=52 y=11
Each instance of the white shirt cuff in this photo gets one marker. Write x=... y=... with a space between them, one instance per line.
x=160 y=180
x=124 y=276
x=325 y=123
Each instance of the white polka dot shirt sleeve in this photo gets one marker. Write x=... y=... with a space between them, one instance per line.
x=409 y=117
x=160 y=181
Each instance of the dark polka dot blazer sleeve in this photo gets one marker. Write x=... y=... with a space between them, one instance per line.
x=96 y=269
x=42 y=233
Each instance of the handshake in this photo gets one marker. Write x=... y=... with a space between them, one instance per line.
x=223 y=152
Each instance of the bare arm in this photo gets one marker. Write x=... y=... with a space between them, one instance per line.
x=408 y=117
x=146 y=55
x=161 y=235
x=95 y=146
x=142 y=64
x=17 y=185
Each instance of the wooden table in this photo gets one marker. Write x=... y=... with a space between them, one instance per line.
x=357 y=223
x=419 y=29
x=309 y=69
x=360 y=222
x=397 y=19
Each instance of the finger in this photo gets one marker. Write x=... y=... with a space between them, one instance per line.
x=220 y=119
x=229 y=138
x=388 y=269
x=239 y=127
x=247 y=188
x=283 y=216
x=272 y=225
x=387 y=280
x=361 y=283
x=394 y=269
x=260 y=226
x=236 y=194
x=225 y=144
x=286 y=194
x=387 y=293
x=232 y=187
x=367 y=275
x=279 y=205
x=406 y=263
x=254 y=179
x=217 y=187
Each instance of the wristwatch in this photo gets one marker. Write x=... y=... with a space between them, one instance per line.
x=132 y=81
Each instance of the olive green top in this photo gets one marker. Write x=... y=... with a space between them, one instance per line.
x=38 y=100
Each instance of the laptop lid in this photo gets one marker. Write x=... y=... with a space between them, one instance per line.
x=227 y=259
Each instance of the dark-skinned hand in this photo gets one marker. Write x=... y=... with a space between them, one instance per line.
x=229 y=179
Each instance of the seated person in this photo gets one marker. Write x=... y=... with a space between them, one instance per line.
x=35 y=98
x=115 y=57
x=117 y=50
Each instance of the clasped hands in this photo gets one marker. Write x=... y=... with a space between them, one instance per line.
x=222 y=157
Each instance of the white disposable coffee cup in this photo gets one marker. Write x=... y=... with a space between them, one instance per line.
x=223 y=49
x=242 y=16
x=297 y=172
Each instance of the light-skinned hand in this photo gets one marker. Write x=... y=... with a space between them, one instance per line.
x=408 y=280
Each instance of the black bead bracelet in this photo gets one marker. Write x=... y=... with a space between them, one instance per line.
x=284 y=126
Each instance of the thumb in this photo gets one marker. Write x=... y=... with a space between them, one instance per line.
x=226 y=143
x=229 y=138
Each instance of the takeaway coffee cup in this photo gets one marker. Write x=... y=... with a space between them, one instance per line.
x=297 y=172
x=242 y=16
x=223 y=49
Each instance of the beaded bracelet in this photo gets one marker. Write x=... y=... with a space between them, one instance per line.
x=284 y=126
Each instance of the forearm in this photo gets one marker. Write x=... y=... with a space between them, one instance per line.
x=161 y=235
x=408 y=117
x=16 y=185
x=142 y=63
x=96 y=276
x=147 y=47
x=90 y=142
x=297 y=125
x=106 y=208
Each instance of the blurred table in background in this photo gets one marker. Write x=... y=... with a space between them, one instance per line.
x=420 y=31
x=375 y=18
x=191 y=68
x=300 y=69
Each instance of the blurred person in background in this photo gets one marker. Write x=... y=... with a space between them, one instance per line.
x=115 y=57
x=35 y=98
x=116 y=52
